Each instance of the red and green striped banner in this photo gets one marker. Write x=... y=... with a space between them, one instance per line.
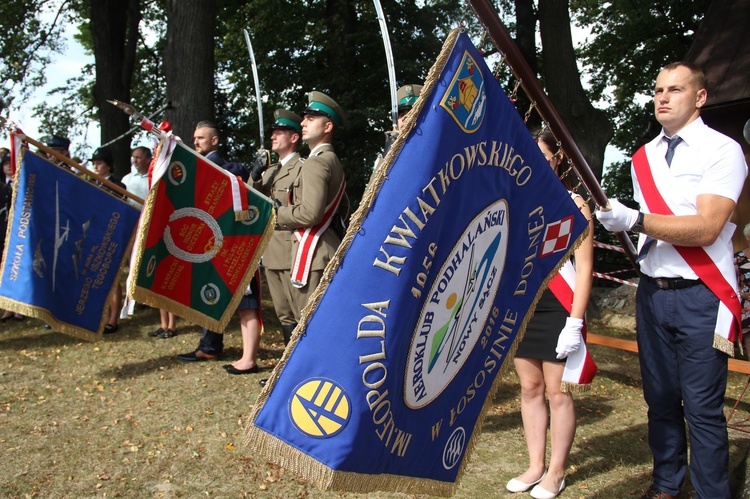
x=192 y=257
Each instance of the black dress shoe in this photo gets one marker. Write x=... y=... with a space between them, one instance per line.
x=110 y=328
x=155 y=332
x=194 y=357
x=234 y=370
x=167 y=333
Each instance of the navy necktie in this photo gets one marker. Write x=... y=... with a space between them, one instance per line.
x=671 y=145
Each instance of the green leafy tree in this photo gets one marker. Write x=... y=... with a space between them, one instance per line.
x=333 y=46
x=31 y=32
x=114 y=26
x=630 y=43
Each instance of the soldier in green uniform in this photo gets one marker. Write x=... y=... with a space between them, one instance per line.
x=315 y=195
x=406 y=96
x=286 y=137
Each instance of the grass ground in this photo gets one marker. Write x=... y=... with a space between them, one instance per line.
x=124 y=418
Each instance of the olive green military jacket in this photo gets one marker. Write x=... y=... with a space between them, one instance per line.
x=315 y=188
x=276 y=183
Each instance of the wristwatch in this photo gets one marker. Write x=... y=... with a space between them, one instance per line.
x=638 y=225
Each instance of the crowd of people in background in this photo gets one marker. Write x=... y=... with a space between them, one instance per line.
x=300 y=197
x=682 y=349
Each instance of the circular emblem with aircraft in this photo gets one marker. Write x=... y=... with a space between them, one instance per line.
x=457 y=306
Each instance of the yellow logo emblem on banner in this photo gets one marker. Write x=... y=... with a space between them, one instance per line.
x=320 y=408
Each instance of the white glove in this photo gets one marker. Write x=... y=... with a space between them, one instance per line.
x=619 y=219
x=570 y=337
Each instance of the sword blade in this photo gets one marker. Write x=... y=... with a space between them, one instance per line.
x=257 y=86
x=389 y=62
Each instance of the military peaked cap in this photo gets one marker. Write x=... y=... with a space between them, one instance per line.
x=319 y=104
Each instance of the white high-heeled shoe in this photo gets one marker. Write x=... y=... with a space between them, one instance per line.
x=515 y=485
x=539 y=492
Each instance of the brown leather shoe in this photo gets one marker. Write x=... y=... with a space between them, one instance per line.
x=655 y=493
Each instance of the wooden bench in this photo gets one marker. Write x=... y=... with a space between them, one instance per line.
x=735 y=365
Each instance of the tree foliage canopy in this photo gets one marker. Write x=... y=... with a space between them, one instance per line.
x=631 y=41
x=326 y=45
x=335 y=46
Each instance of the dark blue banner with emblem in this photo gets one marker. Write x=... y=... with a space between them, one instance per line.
x=67 y=240
x=390 y=370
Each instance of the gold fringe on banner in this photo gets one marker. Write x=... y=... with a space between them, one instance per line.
x=322 y=476
x=568 y=387
x=156 y=300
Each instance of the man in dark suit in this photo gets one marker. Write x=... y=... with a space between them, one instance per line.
x=206 y=141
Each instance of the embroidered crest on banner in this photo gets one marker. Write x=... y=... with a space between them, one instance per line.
x=466 y=99
x=457 y=306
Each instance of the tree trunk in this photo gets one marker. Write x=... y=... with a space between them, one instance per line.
x=114 y=28
x=526 y=42
x=526 y=32
x=590 y=127
x=189 y=64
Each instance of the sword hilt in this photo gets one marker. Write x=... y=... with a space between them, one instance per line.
x=128 y=109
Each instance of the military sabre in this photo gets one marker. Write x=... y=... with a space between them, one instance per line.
x=257 y=86
x=389 y=61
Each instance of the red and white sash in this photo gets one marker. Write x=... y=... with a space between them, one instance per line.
x=700 y=259
x=580 y=367
x=308 y=241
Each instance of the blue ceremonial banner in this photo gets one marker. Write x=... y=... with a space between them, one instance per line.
x=67 y=239
x=389 y=373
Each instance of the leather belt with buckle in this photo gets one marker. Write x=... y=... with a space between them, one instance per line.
x=672 y=282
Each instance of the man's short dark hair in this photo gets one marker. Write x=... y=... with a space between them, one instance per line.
x=146 y=150
x=208 y=124
x=699 y=78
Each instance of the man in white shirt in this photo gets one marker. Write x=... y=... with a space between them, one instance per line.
x=137 y=180
x=687 y=182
